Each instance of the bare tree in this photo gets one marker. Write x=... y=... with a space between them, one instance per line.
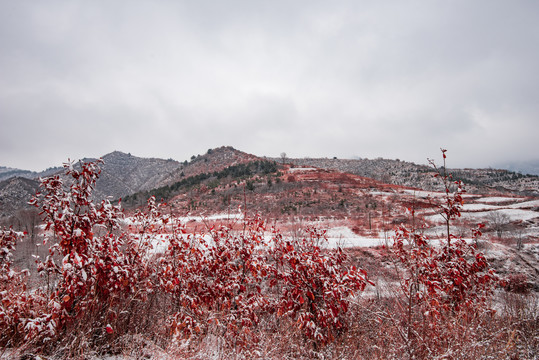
x=29 y=220
x=283 y=157
x=498 y=222
x=517 y=230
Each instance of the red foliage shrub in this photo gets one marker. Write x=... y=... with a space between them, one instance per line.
x=220 y=282
x=12 y=302
x=314 y=287
x=99 y=270
x=444 y=288
x=228 y=279
x=215 y=281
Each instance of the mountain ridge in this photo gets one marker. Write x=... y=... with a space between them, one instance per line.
x=123 y=174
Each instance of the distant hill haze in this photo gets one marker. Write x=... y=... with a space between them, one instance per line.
x=8 y=173
x=524 y=167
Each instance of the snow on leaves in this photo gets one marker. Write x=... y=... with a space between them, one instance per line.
x=221 y=281
x=445 y=288
x=103 y=280
x=315 y=286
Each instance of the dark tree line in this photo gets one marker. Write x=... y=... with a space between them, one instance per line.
x=239 y=171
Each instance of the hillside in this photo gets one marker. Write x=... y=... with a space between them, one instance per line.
x=14 y=195
x=361 y=204
x=525 y=167
x=214 y=160
x=123 y=174
x=480 y=181
x=7 y=173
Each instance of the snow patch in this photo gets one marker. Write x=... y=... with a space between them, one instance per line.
x=302 y=169
x=513 y=214
x=479 y=207
x=223 y=216
x=344 y=237
x=497 y=199
x=525 y=204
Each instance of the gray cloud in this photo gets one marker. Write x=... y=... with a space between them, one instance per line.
x=346 y=78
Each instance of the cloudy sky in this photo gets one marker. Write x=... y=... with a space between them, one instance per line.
x=171 y=79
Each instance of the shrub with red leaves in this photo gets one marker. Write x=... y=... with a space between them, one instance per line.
x=13 y=302
x=226 y=279
x=314 y=286
x=215 y=281
x=446 y=288
x=99 y=268
x=102 y=281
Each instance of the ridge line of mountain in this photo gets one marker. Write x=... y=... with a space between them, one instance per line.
x=124 y=174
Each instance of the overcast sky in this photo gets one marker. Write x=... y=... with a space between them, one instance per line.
x=171 y=79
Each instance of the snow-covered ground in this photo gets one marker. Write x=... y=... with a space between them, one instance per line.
x=512 y=214
x=423 y=194
x=498 y=199
x=479 y=207
x=341 y=236
x=381 y=193
x=525 y=204
x=222 y=216
x=198 y=218
x=344 y=237
x=302 y=169
x=482 y=216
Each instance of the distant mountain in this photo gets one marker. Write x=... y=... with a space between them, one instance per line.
x=524 y=167
x=7 y=173
x=123 y=174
